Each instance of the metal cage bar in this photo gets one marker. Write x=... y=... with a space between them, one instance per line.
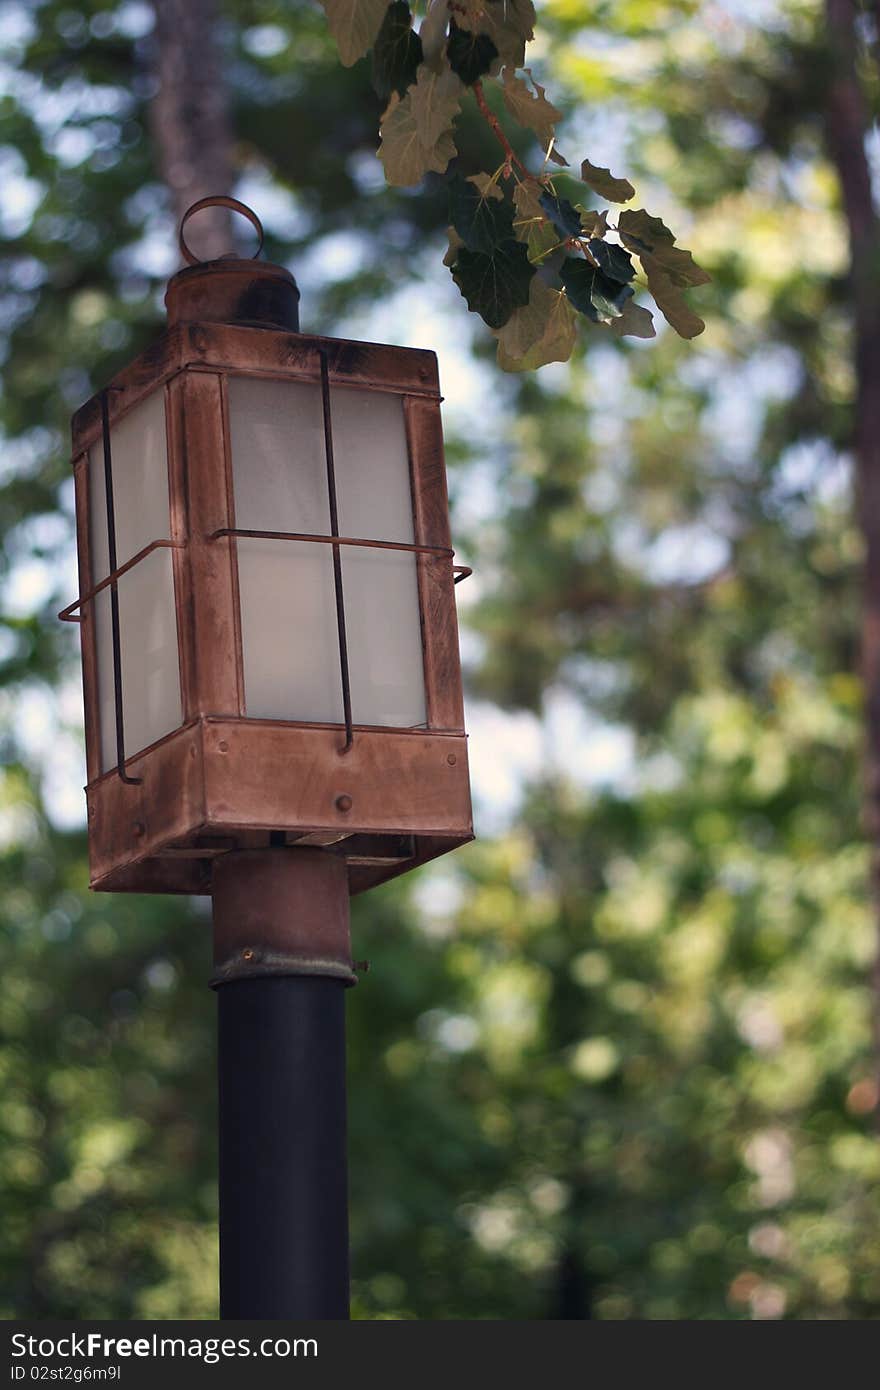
x=460 y=571
x=337 y=558
x=114 y=595
x=68 y=614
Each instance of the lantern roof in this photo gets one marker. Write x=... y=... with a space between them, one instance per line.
x=232 y=289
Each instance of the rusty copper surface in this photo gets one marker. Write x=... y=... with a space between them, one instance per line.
x=281 y=912
x=218 y=200
x=199 y=800
x=286 y=776
x=253 y=293
x=259 y=352
x=222 y=775
x=443 y=689
x=213 y=616
x=128 y=823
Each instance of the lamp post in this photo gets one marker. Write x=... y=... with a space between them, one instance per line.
x=273 y=705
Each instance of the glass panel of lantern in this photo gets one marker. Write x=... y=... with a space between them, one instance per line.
x=288 y=617
x=150 y=675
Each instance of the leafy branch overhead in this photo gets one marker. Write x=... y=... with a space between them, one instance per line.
x=527 y=251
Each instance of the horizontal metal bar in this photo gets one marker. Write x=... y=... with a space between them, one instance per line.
x=331 y=540
x=326 y=724
x=67 y=614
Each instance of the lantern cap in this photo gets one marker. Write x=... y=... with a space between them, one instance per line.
x=247 y=292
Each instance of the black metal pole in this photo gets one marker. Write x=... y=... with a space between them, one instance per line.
x=283 y=1174
x=282 y=958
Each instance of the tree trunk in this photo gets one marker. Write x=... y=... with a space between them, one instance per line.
x=190 y=118
x=848 y=123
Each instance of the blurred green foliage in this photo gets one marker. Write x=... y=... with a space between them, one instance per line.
x=616 y=1060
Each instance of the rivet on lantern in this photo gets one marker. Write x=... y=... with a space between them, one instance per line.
x=344 y=802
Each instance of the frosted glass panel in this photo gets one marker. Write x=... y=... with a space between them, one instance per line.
x=384 y=638
x=147 y=621
x=279 y=472
x=381 y=589
x=148 y=644
x=288 y=631
x=140 y=484
x=289 y=641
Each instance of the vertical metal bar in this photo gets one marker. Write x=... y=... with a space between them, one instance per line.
x=337 y=559
x=114 y=595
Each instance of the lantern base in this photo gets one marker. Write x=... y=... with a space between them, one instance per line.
x=216 y=786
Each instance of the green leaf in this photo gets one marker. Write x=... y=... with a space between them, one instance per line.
x=577 y=276
x=531 y=225
x=432 y=32
x=593 y=223
x=542 y=240
x=508 y=23
x=470 y=55
x=354 y=25
x=527 y=200
x=405 y=157
x=612 y=260
x=670 y=300
x=603 y=182
x=592 y=292
x=487 y=184
x=609 y=296
x=565 y=218
x=436 y=101
x=530 y=108
x=494 y=285
x=455 y=245
x=669 y=268
x=647 y=232
x=417 y=130
x=680 y=266
x=397 y=51
x=481 y=220
x=634 y=322
x=541 y=331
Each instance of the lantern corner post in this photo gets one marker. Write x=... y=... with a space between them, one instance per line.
x=282 y=963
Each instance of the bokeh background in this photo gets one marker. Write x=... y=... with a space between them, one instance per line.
x=614 y=1060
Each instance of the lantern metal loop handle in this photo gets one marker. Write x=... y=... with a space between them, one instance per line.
x=218 y=200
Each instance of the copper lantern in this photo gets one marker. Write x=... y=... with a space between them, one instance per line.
x=266 y=607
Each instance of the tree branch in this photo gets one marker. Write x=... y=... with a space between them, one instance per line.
x=494 y=124
x=189 y=117
x=847 y=124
